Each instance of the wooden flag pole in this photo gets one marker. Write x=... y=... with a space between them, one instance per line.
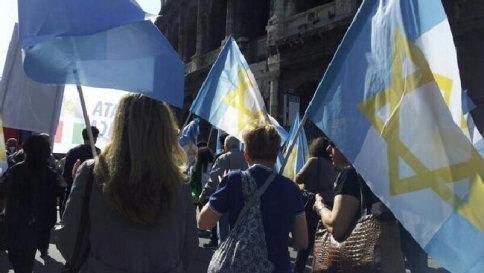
x=86 y=117
x=86 y=121
x=293 y=142
x=210 y=135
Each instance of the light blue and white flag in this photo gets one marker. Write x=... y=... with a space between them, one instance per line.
x=391 y=102
x=279 y=162
x=99 y=43
x=188 y=139
x=297 y=158
x=229 y=97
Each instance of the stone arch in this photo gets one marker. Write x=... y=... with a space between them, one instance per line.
x=174 y=37
x=259 y=16
x=216 y=17
x=191 y=32
x=304 y=5
x=305 y=92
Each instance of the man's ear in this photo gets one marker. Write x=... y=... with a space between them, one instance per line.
x=247 y=157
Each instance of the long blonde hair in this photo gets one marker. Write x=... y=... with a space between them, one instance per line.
x=142 y=168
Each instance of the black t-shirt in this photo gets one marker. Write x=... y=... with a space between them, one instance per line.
x=347 y=184
x=82 y=152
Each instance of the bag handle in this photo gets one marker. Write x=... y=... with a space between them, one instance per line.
x=363 y=210
x=254 y=197
x=83 y=223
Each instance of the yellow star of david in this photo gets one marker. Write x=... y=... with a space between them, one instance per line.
x=445 y=84
x=289 y=169
x=237 y=100
x=389 y=130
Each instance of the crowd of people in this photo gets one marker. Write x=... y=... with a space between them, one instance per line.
x=142 y=198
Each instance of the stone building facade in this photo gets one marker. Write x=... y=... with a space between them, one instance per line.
x=289 y=44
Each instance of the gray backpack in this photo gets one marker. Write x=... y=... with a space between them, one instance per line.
x=245 y=249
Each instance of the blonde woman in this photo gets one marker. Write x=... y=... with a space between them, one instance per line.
x=141 y=217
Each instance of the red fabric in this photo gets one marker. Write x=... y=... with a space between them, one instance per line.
x=10 y=133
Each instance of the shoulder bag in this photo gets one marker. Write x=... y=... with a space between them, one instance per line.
x=82 y=245
x=372 y=246
x=245 y=249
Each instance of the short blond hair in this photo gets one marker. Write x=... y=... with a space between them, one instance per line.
x=262 y=141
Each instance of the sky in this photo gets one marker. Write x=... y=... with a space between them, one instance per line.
x=8 y=17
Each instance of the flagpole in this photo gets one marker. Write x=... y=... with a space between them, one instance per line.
x=293 y=143
x=210 y=135
x=185 y=124
x=86 y=117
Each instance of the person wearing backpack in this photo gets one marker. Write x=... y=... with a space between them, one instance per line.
x=263 y=206
x=29 y=189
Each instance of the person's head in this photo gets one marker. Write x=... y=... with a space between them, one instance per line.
x=11 y=145
x=262 y=143
x=221 y=139
x=203 y=159
x=142 y=167
x=47 y=137
x=230 y=143
x=318 y=146
x=339 y=160
x=37 y=150
x=95 y=134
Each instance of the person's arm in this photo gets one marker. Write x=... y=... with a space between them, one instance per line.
x=217 y=171
x=68 y=165
x=72 y=213
x=299 y=231
x=216 y=207
x=208 y=218
x=338 y=220
x=191 y=237
x=303 y=175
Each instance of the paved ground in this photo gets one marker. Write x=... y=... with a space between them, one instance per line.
x=54 y=262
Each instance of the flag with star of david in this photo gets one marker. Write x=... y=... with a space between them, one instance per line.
x=391 y=102
x=229 y=97
x=188 y=139
x=297 y=158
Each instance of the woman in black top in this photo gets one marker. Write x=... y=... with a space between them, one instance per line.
x=347 y=199
x=347 y=194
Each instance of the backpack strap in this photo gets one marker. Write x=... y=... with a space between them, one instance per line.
x=256 y=196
